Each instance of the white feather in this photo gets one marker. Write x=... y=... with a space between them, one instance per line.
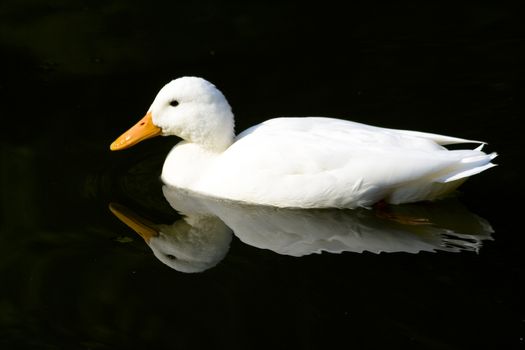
x=303 y=162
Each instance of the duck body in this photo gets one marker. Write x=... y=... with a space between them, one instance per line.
x=324 y=162
x=310 y=162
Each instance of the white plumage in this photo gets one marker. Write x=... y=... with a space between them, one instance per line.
x=302 y=162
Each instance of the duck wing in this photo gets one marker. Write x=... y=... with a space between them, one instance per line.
x=319 y=161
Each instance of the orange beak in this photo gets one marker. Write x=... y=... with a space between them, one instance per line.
x=142 y=226
x=143 y=130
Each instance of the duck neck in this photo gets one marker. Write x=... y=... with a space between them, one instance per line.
x=218 y=143
x=217 y=135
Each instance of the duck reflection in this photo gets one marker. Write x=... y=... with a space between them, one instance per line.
x=201 y=239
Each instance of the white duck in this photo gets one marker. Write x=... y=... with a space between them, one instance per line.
x=310 y=162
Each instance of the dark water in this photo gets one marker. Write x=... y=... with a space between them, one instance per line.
x=75 y=74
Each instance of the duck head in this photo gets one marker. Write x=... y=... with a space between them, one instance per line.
x=190 y=108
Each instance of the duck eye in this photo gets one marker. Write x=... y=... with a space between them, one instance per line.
x=174 y=103
x=171 y=257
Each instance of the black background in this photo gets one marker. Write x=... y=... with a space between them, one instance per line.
x=75 y=74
